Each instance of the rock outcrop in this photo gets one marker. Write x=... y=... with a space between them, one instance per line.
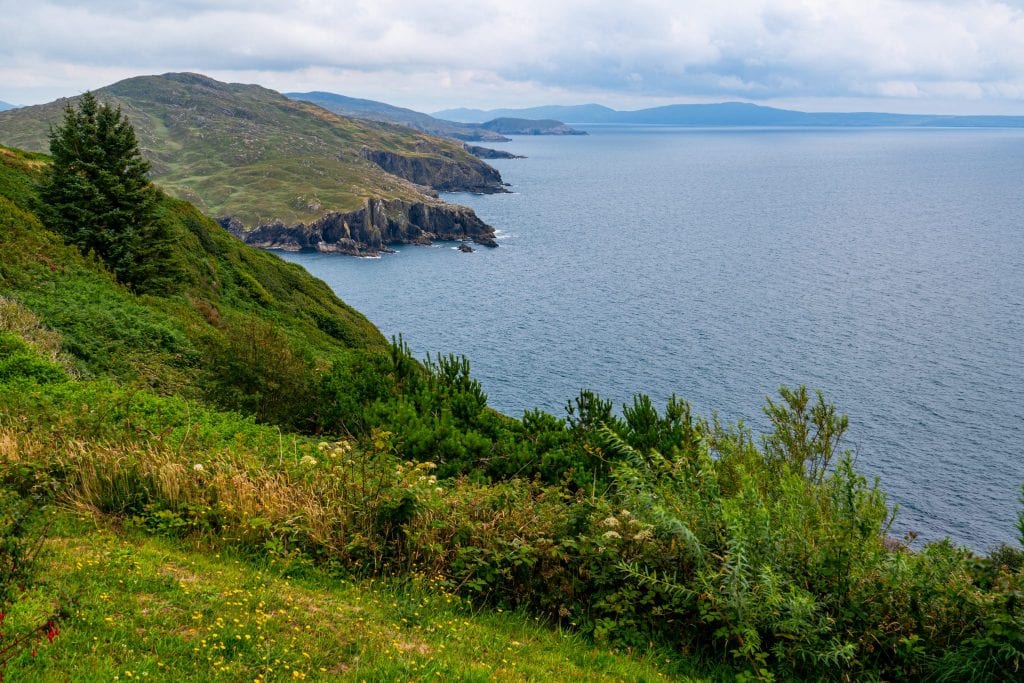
x=370 y=230
x=488 y=153
x=442 y=174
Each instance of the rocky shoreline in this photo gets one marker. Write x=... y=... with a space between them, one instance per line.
x=371 y=230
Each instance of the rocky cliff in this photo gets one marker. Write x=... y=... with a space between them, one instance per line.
x=370 y=230
x=441 y=173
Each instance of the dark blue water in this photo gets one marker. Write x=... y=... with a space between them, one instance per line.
x=885 y=267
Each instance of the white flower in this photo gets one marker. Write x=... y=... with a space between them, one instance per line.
x=611 y=523
x=198 y=467
x=611 y=535
x=307 y=461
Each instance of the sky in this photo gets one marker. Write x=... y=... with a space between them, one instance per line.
x=915 y=56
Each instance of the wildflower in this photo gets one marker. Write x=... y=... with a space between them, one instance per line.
x=611 y=522
x=198 y=467
x=307 y=461
x=643 y=535
x=611 y=535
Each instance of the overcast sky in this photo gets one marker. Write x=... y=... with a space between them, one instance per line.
x=939 y=56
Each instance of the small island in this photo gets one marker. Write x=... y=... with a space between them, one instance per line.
x=511 y=126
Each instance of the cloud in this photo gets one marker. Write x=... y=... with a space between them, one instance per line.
x=906 y=50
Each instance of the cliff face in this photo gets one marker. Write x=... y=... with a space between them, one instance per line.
x=369 y=230
x=442 y=174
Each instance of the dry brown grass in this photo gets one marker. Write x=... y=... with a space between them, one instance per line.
x=19 y=320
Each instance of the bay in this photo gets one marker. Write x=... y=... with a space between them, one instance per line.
x=884 y=267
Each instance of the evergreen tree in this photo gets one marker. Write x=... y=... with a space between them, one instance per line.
x=97 y=195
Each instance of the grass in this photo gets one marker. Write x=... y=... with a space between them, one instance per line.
x=144 y=608
x=248 y=152
x=222 y=290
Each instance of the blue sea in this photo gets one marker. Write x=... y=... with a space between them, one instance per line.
x=882 y=266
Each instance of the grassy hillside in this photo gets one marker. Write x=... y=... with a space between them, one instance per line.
x=250 y=153
x=96 y=379
x=150 y=608
x=231 y=305
x=242 y=455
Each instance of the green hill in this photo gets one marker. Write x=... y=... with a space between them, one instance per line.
x=252 y=157
x=225 y=296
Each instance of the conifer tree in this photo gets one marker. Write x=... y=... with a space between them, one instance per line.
x=97 y=195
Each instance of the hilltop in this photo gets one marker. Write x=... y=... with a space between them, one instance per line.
x=282 y=173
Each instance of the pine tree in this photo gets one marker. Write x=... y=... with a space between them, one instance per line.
x=97 y=195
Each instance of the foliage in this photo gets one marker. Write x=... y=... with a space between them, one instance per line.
x=251 y=153
x=22 y=535
x=168 y=342
x=96 y=194
x=170 y=415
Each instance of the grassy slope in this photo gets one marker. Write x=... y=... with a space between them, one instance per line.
x=149 y=608
x=162 y=341
x=138 y=607
x=245 y=151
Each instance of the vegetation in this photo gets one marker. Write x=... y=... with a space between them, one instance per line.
x=244 y=456
x=96 y=194
x=247 y=152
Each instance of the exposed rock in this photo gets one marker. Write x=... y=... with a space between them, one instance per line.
x=486 y=240
x=368 y=231
x=488 y=153
x=444 y=175
x=465 y=248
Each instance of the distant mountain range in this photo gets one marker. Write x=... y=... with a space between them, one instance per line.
x=728 y=114
x=387 y=113
x=484 y=131
x=6 y=105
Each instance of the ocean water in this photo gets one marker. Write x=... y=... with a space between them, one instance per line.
x=884 y=267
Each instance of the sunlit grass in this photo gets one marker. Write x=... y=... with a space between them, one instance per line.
x=142 y=608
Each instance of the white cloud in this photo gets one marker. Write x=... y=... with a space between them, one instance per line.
x=952 y=54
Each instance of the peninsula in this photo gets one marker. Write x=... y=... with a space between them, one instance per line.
x=284 y=174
